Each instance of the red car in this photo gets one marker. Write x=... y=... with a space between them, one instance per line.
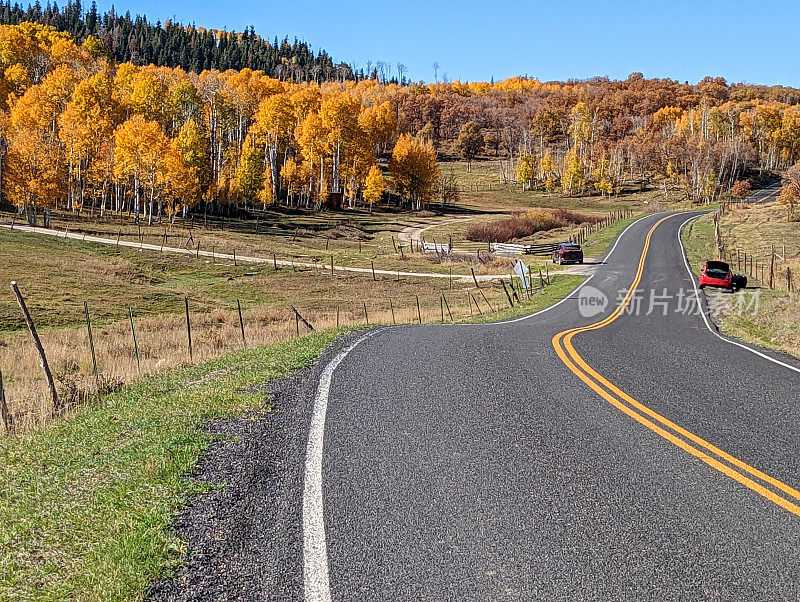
x=717 y=274
x=568 y=252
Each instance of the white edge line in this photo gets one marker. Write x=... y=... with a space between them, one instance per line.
x=316 y=580
x=705 y=317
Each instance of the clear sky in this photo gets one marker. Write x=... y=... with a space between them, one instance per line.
x=755 y=42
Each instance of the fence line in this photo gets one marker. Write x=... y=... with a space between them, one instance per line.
x=150 y=345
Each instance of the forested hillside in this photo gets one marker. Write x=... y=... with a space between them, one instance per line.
x=84 y=133
x=136 y=40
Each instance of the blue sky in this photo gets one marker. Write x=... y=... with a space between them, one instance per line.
x=754 y=42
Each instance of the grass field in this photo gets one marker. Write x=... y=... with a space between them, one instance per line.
x=154 y=285
x=754 y=230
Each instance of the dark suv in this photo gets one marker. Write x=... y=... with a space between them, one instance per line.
x=568 y=252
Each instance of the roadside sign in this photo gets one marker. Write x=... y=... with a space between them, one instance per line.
x=524 y=273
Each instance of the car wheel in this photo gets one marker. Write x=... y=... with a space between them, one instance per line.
x=702 y=286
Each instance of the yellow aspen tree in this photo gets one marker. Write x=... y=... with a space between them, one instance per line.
x=312 y=138
x=140 y=150
x=414 y=170
x=273 y=127
x=573 y=177
x=526 y=170
x=374 y=186
x=250 y=172
x=32 y=180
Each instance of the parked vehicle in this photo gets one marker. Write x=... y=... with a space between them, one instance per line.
x=739 y=281
x=717 y=274
x=568 y=252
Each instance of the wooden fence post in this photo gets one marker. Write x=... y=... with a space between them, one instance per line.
x=301 y=319
x=275 y=261
x=241 y=322
x=391 y=307
x=135 y=342
x=373 y=271
x=8 y=419
x=505 y=289
x=188 y=329
x=478 y=307
x=447 y=305
x=419 y=311
x=772 y=268
x=91 y=345
x=366 y=316
x=36 y=341
x=492 y=309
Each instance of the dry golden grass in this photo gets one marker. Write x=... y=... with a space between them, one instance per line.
x=163 y=340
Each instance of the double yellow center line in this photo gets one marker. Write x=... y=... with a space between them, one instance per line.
x=774 y=490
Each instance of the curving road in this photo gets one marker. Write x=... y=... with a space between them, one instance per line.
x=634 y=454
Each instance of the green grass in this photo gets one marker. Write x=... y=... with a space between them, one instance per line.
x=88 y=502
x=698 y=238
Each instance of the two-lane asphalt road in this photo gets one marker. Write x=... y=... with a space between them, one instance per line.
x=633 y=454
x=471 y=463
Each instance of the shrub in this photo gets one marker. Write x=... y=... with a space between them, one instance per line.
x=526 y=224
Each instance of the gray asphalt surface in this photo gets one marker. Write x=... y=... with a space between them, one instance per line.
x=467 y=462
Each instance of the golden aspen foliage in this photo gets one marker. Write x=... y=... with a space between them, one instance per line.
x=414 y=170
x=140 y=151
x=526 y=170
x=250 y=172
x=374 y=186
